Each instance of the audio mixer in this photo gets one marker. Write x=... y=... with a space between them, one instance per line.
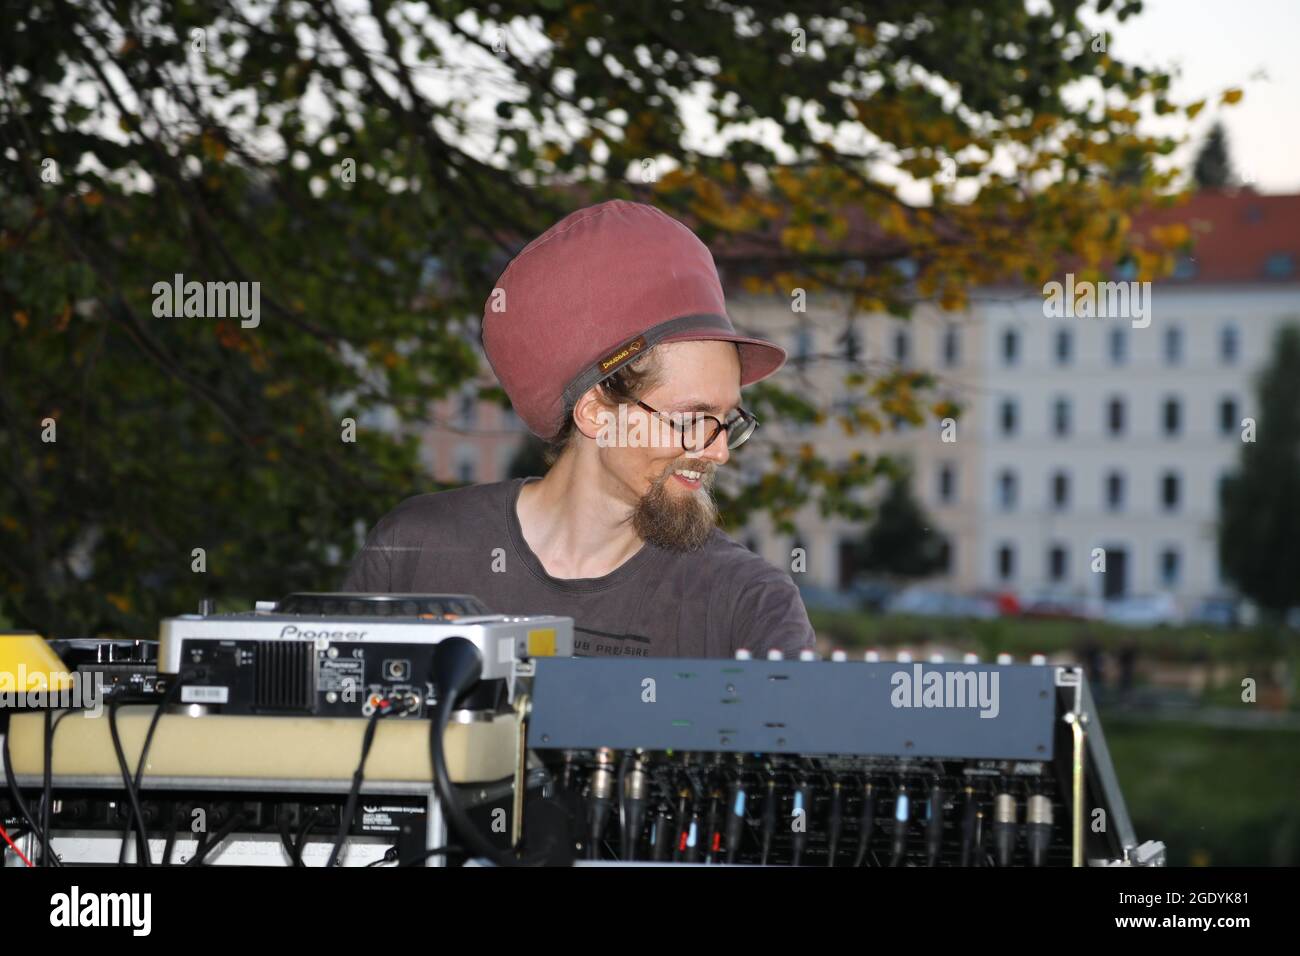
x=830 y=763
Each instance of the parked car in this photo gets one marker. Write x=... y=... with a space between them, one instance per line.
x=1065 y=607
x=872 y=594
x=1143 y=610
x=1216 y=612
x=927 y=602
x=817 y=598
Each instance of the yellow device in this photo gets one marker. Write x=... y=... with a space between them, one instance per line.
x=28 y=663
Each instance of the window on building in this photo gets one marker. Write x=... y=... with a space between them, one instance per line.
x=1061 y=417
x=1007 y=488
x=1170 y=561
x=1172 y=417
x=1009 y=416
x=902 y=346
x=1221 y=489
x=945 y=556
x=466 y=464
x=951 y=346
x=947 y=482
x=1056 y=564
x=1170 y=491
x=851 y=344
x=1118 y=347
x=1064 y=346
x=1115 y=417
x=1228 y=419
x=1279 y=265
x=1060 y=491
x=1115 y=491
x=1229 y=344
x=467 y=410
x=1173 y=345
x=1006 y=562
x=803 y=346
x=1010 y=347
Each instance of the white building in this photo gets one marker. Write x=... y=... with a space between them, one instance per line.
x=1078 y=433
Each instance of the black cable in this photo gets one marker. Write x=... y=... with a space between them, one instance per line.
x=354 y=793
x=200 y=848
x=439 y=851
x=390 y=856
x=304 y=831
x=286 y=838
x=12 y=780
x=457 y=665
x=47 y=787
x=166 y=701
x=207 y=846
x=170 y=845
x=142 y=843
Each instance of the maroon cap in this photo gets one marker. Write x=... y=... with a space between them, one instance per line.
x=592 y=293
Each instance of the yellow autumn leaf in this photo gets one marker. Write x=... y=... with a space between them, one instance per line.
x=1230 y=97
x=1195 y=108
x=1171 y=236
x=799 y=238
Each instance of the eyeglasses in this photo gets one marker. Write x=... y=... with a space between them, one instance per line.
x=699 y=431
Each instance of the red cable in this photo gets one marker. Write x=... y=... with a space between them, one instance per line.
x=4 y=833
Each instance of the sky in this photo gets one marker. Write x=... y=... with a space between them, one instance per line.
x=1217 y=44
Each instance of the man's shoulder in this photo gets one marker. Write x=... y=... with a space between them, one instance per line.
x=469 y=501
x=735 y=565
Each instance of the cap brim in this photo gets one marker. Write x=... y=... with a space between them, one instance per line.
x=758 y=357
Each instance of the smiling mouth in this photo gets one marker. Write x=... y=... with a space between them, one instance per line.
x=692 y=478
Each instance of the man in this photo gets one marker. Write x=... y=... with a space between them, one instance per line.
x=609 y=333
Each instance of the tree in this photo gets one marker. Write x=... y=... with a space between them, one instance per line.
x=529 y=460
x=902 y=541
x=368 y=173
x=1213 y=169
x=1259 y=523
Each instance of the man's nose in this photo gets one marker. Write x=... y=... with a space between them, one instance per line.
x=717 y=450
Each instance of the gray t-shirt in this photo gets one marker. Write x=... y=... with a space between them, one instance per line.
x=658 y=603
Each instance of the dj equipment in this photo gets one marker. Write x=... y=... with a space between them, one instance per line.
x=831 y=763
x=258 y=730
x=503 y=741
x=338 y=655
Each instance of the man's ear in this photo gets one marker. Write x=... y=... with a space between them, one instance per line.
x=590 y=414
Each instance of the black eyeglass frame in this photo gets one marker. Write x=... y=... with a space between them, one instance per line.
x=718 y=426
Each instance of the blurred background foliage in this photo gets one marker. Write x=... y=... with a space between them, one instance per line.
x=373 y=167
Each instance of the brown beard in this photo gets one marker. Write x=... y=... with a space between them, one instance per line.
x=674 y=524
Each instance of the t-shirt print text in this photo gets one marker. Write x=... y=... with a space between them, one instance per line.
x=582 y=647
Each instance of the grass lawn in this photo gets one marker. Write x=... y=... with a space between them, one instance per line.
x=1024 y=636
x=1215 y=797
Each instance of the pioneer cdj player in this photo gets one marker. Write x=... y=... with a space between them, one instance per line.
x=338 y=655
